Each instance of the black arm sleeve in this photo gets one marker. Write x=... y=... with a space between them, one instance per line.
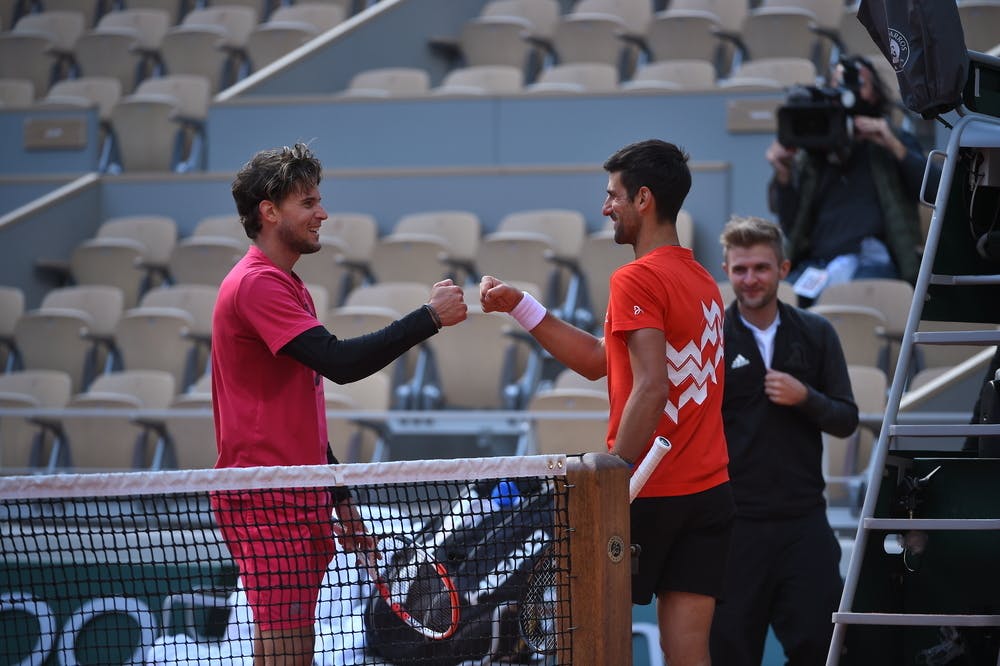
x=345 y=361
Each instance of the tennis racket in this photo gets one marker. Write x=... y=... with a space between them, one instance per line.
x=536 y=614
x=661 y=446
x=415 y=587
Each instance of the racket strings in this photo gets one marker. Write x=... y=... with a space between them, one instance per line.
x=538 y=610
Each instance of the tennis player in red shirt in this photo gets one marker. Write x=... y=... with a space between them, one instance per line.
x=269 y=351
x=662 y=354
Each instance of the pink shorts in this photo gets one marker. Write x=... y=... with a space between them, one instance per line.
x=282 y=542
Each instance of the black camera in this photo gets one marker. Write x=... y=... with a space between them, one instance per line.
x=820 y=118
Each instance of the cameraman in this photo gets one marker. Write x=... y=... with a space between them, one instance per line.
x=856 y=203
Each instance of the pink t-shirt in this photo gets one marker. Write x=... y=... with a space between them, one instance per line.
x=269 y=408
x=668 y=290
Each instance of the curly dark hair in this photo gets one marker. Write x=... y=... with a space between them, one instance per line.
x=271 y=175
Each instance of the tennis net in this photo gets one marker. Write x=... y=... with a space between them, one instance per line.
x=472 y=564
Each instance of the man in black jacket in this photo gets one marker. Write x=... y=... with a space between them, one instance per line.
x=786 y=384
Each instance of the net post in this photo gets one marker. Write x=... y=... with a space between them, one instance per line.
x=600 y=570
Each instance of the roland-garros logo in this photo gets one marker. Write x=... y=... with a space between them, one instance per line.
x=899 y=49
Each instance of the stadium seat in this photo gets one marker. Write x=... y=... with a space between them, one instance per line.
x=511 y=32
x=388 y=82
x=673 y=75
x=112 y=52
x=429 y=246
x=192 y=93
x=23 y=444
x=150 y=25
x=845 y=460
x=91 y=10
x=854 y=38
x=63 y=28
x=197 y=300
x=541 y=247
x=204 y=259
x=30 y=55
x=114 y=440
x=481 y=80
x=221 y=225
x=11 y=309
x=705 y=30
x=144 y=241
x=781 y=30
x=159 y=338
x=352 y=439
x=210 y=42
x=357 y=234
x=104 y=304
x=326 y=268
x=861 y=330
x=289 y=27
x=16 y=93
x=569 y=435
x=175 y=8
x=599 y=256
x=56 y=339
x=571 y=379
x=102 y=92
x=771 y=74
x=606 y=31
x=186 y=433
x=576 y=77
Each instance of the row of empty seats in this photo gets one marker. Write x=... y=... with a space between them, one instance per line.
x=221 y=43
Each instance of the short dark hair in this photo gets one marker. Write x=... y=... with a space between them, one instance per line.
x=658 y=165
x=749 y=231
x=271 y=175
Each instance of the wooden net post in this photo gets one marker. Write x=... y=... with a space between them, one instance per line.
x=600 y=596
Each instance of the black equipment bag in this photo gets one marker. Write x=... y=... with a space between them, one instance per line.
x=924 y=42
x=490 y=564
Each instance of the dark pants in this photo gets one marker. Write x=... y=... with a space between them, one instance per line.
x=785 y=574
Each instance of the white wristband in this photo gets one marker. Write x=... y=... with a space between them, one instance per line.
x=529 y=312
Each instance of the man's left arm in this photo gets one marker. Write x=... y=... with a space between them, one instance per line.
x=832 y=404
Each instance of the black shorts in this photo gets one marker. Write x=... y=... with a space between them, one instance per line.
x=684 y=541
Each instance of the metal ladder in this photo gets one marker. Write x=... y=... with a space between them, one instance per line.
x=972 y=130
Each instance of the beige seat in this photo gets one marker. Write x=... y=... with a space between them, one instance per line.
x=100 y=91
x=175 y=8
x=845 y=460
x=11 y=309
x=148 y=133
x=113 y=52
x=673 y=75
x=198 y=301
x=16 y=93
x=570 y=379
x=861 y=331
x=156 y=233
x=326 y=268
x=599 y=256
x=320 y=298
x=980 y=23
x=209 y=42
x=946 y=356
x=892 y=298
x=538 y=246
x=699 y=30
x=481 y=80
x=204 y=259
x=576 y=77
x=782 y=29
x=357 y=234
x=110 y=261
x=105 y=305
x=159 y=338
x=27 y=56
x=56 y=339
x=786 y=293
x=90 y=10
x=63 y=28
x=569 y=435
x=289 y=27
x=604 y=31
x=115 y=440
x=187 y=433
x=771 y=74
x=477 y=366
x=496 y=40
x=351 y=439
x=149 y=25
x=428 y=246
x=23 y=444
x=388 y=82
x=854 y=38
x=192 y=93
x=221 y=225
